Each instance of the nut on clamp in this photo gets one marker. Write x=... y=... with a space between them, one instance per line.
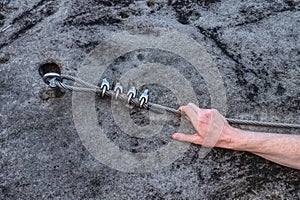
x=144 y=98
x=104 y=86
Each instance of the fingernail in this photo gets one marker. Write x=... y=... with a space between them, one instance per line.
x=174 y=136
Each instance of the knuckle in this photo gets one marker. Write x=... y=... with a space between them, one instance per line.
x=183 y=108
x=206 y=114
x=214 y=111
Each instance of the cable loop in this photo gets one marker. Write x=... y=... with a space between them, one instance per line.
x=51 y=76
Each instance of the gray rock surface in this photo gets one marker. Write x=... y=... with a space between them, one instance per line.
x=255 y=45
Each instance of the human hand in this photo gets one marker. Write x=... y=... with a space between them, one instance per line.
x=211 y=127
x=212 y=130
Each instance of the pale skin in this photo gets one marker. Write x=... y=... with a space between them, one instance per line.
x=283 y=149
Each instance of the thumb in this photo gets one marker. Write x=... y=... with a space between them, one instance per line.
x=185 y=137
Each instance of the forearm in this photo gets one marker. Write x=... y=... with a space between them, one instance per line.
x=212 y=130
x=283 y=149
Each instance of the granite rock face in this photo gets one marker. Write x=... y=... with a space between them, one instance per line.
x=254 y=44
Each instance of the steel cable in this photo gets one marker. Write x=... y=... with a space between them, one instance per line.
x=155 y=107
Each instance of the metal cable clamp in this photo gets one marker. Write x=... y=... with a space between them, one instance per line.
x=118 y=89
x=104 y=86
x=131 y=94
x=144 y=98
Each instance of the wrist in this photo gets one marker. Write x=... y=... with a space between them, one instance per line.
x=232 y=138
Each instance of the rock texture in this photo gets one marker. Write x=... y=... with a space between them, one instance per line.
x=255 y=45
